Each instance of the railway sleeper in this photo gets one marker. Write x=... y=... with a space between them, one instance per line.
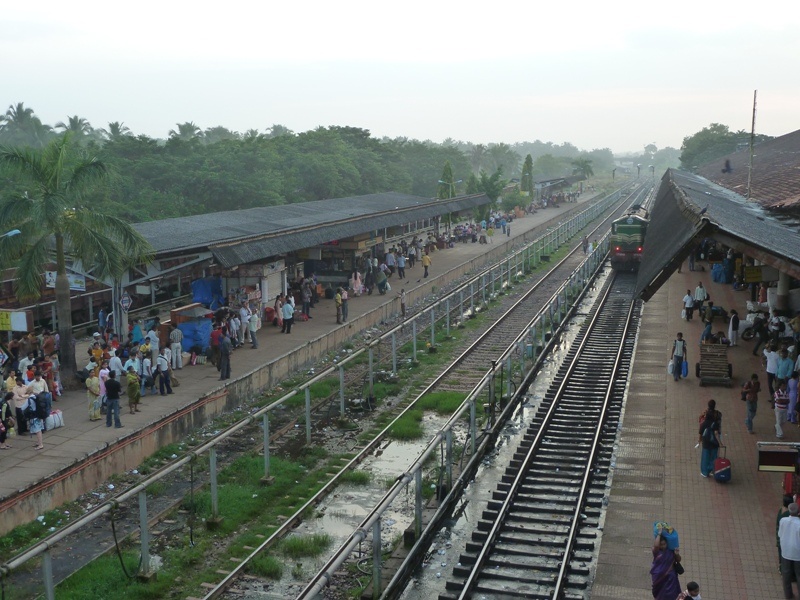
x=487 y=590
x=547 y=487
x=496 y=565
x=540 y=536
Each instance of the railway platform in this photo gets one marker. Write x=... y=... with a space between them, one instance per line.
x=83 y=454
x=727 y=531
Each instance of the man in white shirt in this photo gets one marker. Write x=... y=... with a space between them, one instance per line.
x=688 y=304
x=700 y=295
x=152 y=336
x=146 y=375
x=175 y=344
x=789 y=535
x=115 y=364
x=771 y=358
x=244 y=319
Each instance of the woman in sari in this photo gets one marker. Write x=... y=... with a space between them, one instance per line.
x=664 y=577
x=93 y=396
x=278 y=310
x=134 y=390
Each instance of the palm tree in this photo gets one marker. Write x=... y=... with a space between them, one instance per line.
x=186 y=131
x=22 y=127
x=55 y=223
x=477 y=157
x=116 y=130
x=77 y=126
x=583 y=166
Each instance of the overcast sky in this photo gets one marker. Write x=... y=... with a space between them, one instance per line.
x=597 y=74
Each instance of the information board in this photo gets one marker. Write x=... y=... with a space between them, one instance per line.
x=16 y=320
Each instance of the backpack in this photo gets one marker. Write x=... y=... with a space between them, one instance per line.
x=29 y=410
x=708 y=433
x=41 y=407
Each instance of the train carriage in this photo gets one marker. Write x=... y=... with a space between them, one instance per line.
x=627 y=239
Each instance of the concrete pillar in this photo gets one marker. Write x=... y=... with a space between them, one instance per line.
x=782 y=301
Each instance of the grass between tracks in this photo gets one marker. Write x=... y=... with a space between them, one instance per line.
x=251 y=513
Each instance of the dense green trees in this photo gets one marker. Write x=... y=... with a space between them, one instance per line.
x=195 y=170
x=713 y=142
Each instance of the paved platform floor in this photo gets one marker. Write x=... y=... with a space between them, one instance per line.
x=727 y=531
x=22 y=466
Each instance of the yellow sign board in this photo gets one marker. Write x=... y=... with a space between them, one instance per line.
x=16 y=320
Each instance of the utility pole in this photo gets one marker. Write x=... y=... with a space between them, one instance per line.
x=752 y=144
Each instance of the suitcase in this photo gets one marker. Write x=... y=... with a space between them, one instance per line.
x=55 y=420
x=722 y=468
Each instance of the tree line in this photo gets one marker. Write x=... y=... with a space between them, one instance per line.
x=195 y=170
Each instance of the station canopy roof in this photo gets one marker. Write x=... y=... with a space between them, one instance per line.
x=689 y=208
x=243 y=236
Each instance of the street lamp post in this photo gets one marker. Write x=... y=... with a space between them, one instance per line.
x=451 y=185
x=613 y=173
x=452 y=188
x=638 y=169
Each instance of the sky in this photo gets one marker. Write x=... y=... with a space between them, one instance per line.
x=616 y=75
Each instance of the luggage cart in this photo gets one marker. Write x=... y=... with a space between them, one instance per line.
x=713 y=367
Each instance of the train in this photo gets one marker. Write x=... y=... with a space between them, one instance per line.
x=627 y=239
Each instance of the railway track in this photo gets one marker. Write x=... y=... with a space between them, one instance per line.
x=537 y=535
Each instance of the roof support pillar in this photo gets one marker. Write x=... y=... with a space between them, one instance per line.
x=782 y=301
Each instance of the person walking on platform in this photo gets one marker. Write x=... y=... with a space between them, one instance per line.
x=750 y=391
x=710 y=433
x=288 y=316
x=225 y=349
x=664 y=577
x=426 y=262
x=175 y=339
x=770 y=362
x=733 y=328
x=679 y=354
x=783 y=511
x=113 y=391
x=781 y=408
x=708 y=320
x=692 y=591
x=338 y=301
x=252 y=326
x=789 y=536
x=688 y=305
x=700 y=295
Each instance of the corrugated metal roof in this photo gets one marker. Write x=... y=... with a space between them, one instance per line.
x=272 y=244
x=242 y=236
x=677 y=219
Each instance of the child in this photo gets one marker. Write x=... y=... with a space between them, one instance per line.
x=402 y=295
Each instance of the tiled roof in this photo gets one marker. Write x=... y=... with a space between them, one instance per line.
x=775 y=182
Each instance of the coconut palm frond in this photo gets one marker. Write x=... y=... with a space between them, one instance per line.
x=15 y=209
x=127 y=239
x=28 y=283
